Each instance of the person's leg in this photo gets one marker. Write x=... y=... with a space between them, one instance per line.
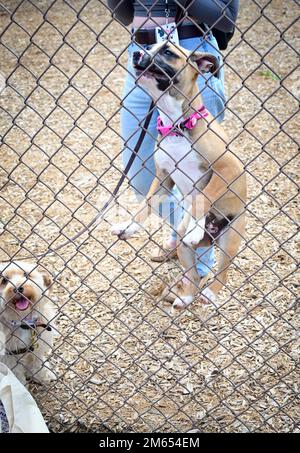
x=136 y=103
x=211 y=87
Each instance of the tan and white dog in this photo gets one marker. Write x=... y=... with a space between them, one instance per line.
x=26 y=321
x=195 y=158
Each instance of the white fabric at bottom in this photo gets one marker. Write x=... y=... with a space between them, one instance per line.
x=19 y=409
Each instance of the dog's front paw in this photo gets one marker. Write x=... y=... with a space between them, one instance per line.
x=181 y=302
x=125 y=230
x=194 y=233
x=193 y=238
x=208 y=296
x=44 y=376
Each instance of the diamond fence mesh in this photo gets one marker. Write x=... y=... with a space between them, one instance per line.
x=122 y=360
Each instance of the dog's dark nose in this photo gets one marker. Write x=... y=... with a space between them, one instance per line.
x=19 y=290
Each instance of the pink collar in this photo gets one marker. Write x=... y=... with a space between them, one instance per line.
x=188 y=123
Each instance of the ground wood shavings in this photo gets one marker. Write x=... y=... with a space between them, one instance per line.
x=123 y=363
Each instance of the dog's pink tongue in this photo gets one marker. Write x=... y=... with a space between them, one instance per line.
x=22 y=304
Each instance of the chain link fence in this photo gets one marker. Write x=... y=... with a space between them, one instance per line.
x=122 y=362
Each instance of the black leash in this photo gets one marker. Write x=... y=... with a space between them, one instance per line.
x=114 y=193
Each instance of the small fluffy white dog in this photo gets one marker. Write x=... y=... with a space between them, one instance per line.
x=26 y=321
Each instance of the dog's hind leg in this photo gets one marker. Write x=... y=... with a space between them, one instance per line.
x=191 y=279
x=229 y=243
x=187 y=258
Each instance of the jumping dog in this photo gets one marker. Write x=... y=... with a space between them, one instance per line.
x=192 y=154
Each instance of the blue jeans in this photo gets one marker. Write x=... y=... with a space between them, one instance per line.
x=136 y=103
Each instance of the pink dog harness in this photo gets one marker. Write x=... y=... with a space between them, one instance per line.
x=188 y=123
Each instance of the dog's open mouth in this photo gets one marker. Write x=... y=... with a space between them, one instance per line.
x=21 y=302
x=151 y=71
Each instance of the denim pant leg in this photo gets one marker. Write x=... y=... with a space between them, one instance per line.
x=136 y=103
x=211 y=88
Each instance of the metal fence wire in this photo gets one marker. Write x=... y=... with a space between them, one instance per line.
x=123 y=362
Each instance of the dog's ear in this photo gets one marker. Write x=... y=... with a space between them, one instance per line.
x=206 y=62
x=48 y=280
